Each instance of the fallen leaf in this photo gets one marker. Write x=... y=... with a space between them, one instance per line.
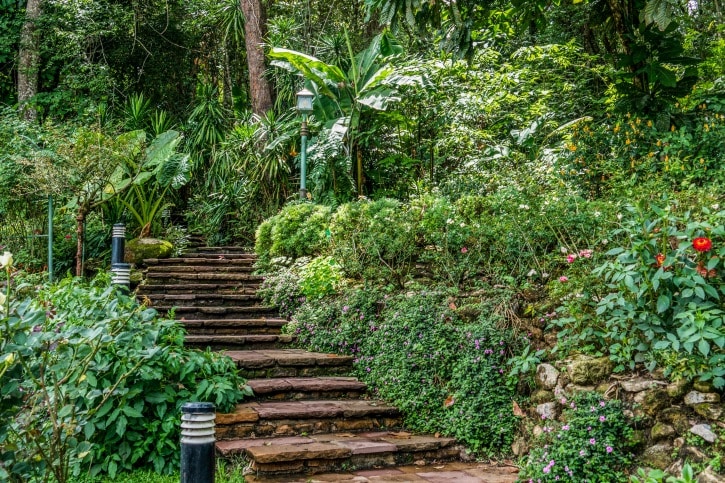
x=517 y=410
x=449 y=402
x=452 y=306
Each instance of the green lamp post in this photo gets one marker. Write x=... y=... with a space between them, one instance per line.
x=304 y=105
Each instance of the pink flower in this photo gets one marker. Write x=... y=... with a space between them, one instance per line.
x=570 y=258
x=464 y=250
x=586 y=253
x=592 y=441
x=609 y=449
x=602 y=419
x=563 y=279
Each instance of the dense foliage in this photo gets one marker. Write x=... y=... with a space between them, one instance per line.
x=93 y=382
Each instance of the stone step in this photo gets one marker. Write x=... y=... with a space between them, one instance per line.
x=294 y=418
x=162 y=277
x=248 y=341
x=245 y=288
x=156 y=270
x=317 y=453
x=229 y=312
x=223 y=250
x=203 y=300
x=299 y=388
x=210 y=260
x=210 y=256
x=255 y=364
x=233 y=326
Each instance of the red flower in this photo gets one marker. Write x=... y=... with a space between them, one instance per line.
x=660 y=259
x=702 y=244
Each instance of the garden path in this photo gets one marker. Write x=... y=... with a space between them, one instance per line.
x=307 y=416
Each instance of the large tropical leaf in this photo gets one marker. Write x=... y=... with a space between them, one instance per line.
x=322 y=74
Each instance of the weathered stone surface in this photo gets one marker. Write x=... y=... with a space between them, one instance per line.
x=541 y=396
x=652 y=401
x=709 y=476
x=696 y=397
x=519 y=447
x=676 y=417
x=243 y=413
x=294 y=452
x=658 y=456
x=705 y=432
x=640 y=384
x=678 y=389
x=588 y=370
x=548 y=411
x=703 y=386
x=661 y=431
x=693 y=454
x=576 y=389
x=546 y=376
x=366 y=446
x=138 y=249
x=638 y=439
x=709 y=411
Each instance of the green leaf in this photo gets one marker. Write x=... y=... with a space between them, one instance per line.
x=121 y=425
x=663 y=303
x=704 y=347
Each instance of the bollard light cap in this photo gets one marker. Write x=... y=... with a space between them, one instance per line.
x=197 y=407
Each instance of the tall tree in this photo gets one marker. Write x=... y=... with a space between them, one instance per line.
x=29 y=60
x=255 y=23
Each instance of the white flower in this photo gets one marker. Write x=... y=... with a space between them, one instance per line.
x=2 y=302
x=523 y=207
x=449 y=221
x=544 y=275
x=605 y=241
x=463 y=225
x=6 y=260
x=531 y=273
x=597 y=214
x=619 y=216
x=716 y=206
x=564 y=250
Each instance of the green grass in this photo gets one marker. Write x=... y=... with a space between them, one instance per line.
x=225 y=474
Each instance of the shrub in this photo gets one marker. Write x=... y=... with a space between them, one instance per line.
x=90 y=379
x=663 y=290
x=320 y=277
x=375 y=240
x=591 y=445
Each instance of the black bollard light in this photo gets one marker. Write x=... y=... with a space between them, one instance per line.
x=121 y=274
x=118 y=243
x=197 y=442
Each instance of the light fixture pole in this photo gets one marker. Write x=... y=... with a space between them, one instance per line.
x=304 y=106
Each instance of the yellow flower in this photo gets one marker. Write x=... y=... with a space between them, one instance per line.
x=6 y=260
x=672 y=128
x=649 y=123
x=616 y=128
x=628 y=141
x=706 y=127
x=572 y=147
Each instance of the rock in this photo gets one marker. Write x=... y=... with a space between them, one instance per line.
x=696 y=397
x=575 y=389
x=709 y=411
x=550 y=339
x=703 y=386
x=542 y=396
x=538 y=431
x=705 y=432
x=661 y=431
x=136 y=277
x=546 y=376
x=519 y=447
x=692 y=453
x=678 y=389
x=658 y=456
x=639 y=384
x=709 y=476
x=652 y=401
x=588 y=370
x=139 y=249
x=548 y=411
x=675 y=468
x=676 y=417
x=679 y=442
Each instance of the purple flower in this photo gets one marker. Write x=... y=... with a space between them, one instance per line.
x=609 y=449
x=602 y=419
x=345 y=309
x=582 y=453
x=565 y=427
x=592 y=441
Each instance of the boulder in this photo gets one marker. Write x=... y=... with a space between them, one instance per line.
x=676 y=417
x=677 y=389
x=542 y=396
x=589 y=370
x=639 y=384
x=548 y=411
x=703 y=386
x=546 y=376
x=696 y=397
x=139 y=249
x=709 y=411
x=705 y=432
x=661 y=431
x=652 y=401
x=658 y=456
x=709 y=476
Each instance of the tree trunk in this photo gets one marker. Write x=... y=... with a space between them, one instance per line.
x=28 y=60
x=255 y=20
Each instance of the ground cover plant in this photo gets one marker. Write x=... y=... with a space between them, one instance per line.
x=92 y=382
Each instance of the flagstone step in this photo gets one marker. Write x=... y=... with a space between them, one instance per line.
x=238 y=341
x=166 y=277
x=299 y=388
x=255 y=364
x=224 y=312
x=233 y=326
x=203 y=300
x=197 y=259
x=244 y=288
x=294 y=418
x=202 y=268
x=317 y=453
x=222 y=250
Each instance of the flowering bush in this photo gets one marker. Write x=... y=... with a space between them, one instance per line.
x=662 y=302
x=590 y=445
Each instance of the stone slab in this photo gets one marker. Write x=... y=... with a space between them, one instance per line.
x=295 y=452
x=365 y=446
x=243 y=413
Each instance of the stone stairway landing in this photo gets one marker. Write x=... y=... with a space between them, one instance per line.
x=308 y=415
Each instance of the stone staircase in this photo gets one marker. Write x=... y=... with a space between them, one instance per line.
x=307 y=416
